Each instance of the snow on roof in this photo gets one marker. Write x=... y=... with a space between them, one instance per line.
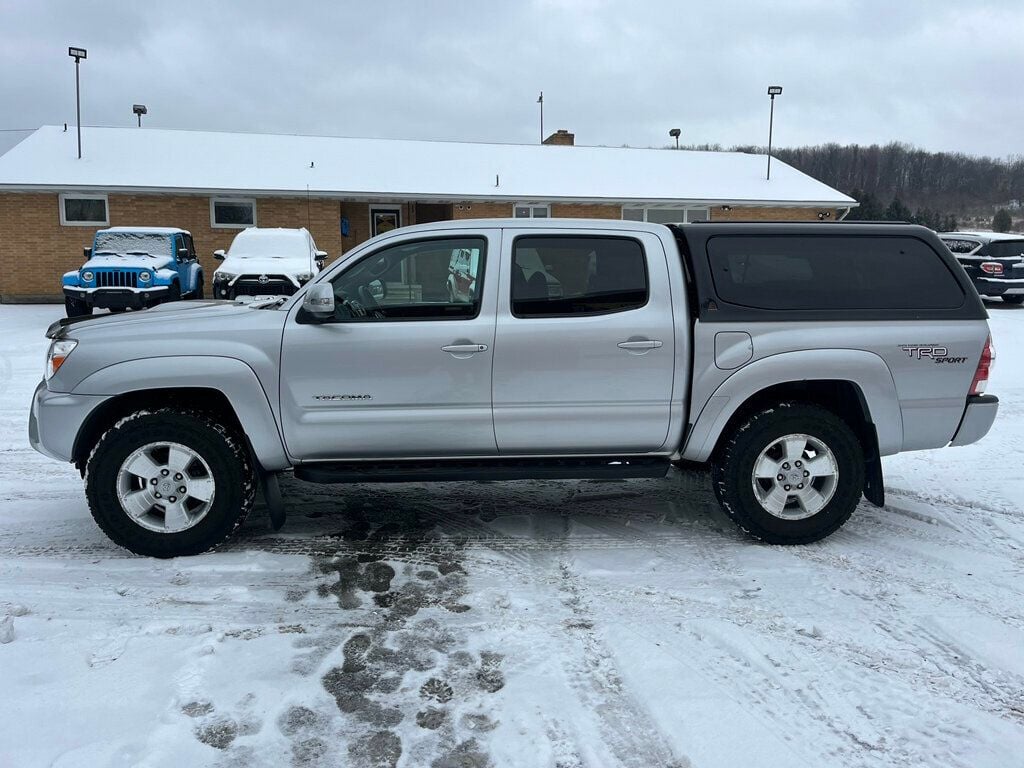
x=151 y=159
x=983 y=234
x=268 y=241
x=148 y=230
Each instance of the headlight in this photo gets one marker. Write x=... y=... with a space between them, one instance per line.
x=305 y=277
x=225 y=276
x=145 y=277
x=87 y=276
x=58 y=353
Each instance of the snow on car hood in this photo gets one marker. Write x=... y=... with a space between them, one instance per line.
x=135 y=261
x=267 y=265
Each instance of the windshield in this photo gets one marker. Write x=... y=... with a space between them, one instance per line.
x=269 y=245
x=132 y=243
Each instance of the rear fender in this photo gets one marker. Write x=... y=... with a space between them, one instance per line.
x=866 y=370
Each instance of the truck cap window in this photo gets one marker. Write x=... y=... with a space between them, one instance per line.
x=829 y=272
x=438 y=279
x=560 y=276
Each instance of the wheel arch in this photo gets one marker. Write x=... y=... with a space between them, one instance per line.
x=230 y=390
x=856 y=385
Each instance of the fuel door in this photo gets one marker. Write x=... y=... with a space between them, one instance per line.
x=733 y=349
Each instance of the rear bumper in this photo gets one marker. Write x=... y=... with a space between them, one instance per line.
x=999 y=286
x=119 y=298
x=55 y=420
x=977 y=420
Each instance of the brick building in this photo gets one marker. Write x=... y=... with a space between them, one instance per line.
x=346 y=190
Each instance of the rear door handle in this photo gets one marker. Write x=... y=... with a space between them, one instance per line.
x=464 y=349
x=634 y=345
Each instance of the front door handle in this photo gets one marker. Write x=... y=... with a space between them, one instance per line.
x=464 y=349
x=635 y=345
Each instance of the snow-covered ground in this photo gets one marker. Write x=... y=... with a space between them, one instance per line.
x=521 y=624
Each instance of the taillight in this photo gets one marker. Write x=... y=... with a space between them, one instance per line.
x=988 y=359
x=992 y=268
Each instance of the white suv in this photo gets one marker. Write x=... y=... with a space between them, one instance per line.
x=267 y=262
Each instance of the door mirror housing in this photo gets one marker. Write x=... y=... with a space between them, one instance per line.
x=219 y=254
x=183 y=254
x=87 y=253
x=318 y=301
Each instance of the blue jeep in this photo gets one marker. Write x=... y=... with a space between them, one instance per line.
x=134 y=268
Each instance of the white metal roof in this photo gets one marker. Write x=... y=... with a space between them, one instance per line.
x=150 y=159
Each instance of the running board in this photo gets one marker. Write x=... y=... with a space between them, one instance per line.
x=454 y=470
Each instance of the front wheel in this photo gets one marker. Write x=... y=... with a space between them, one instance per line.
x=168 y=483
x=790 y=474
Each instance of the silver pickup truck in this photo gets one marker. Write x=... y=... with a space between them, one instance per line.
x=788 y=357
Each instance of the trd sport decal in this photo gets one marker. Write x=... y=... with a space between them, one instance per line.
x=342 y=397
x=938 y=354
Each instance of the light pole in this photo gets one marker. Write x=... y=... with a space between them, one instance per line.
x=674 y=133
x=139 y=110
x=540 y=100
x=773 y=91
x=77 y=54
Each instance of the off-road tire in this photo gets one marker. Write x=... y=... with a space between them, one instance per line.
x=223 y=450
x=174 y=294
x=76 y=308
x=200 y=291
x=1015 y=299
x=733 y=465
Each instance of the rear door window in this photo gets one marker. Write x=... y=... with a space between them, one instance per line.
x=831 y=273
x=575 y=276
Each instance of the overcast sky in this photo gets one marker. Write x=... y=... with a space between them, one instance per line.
x=940 y=75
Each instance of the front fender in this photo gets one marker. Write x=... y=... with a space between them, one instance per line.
x=866 y=370
x=236 y=380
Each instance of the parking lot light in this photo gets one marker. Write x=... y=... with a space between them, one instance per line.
x=78 y=54
x=773 y=91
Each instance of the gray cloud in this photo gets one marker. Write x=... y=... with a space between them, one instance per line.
x=939 y=74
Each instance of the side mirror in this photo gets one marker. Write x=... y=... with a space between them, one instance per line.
x=183 y=254
x=321 y=258
x=318 y=302
x=219 y=254
x=87 y=253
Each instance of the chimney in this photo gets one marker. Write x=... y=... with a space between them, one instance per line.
x=562 y=138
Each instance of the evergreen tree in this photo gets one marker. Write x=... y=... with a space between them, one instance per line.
x=1002 y=222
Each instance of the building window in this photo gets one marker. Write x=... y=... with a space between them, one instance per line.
x=232 y=212
x=531 y=211
x=665 y=215
x=384 y=218
x=77 y=210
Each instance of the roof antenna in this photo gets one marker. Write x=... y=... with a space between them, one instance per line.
x=65 y=127
x=497 y=180
x=310 y=163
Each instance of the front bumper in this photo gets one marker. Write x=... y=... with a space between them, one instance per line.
x=56 y=419
x=999 y=286
x=977 y=420
x=119 y=298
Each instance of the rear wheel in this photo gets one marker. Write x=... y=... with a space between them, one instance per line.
x=76 y=307
x=1015 y=299
x=791 y=474
x=167 y=483
x=200 y=291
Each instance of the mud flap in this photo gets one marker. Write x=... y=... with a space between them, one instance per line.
x=272 y=497
x=874 y=485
